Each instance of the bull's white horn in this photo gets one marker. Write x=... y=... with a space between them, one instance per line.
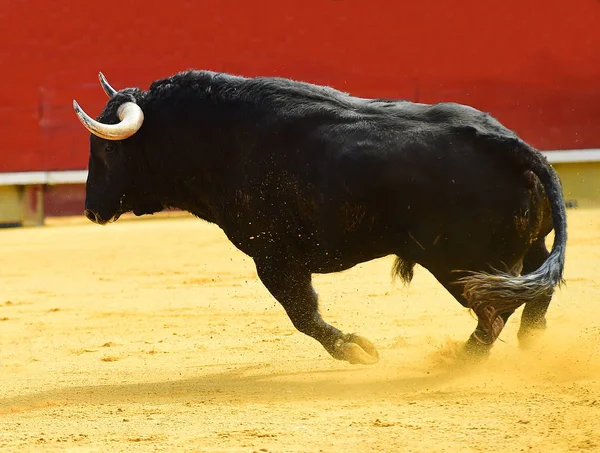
x=129 y=113
x=110 y=91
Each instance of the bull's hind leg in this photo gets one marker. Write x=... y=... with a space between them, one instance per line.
x=483 y=338
x=292 y=287
x=489 y=323
x=533 y=319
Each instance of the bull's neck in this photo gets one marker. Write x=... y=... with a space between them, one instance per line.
x=197 y=165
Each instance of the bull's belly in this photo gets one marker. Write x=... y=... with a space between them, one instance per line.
x=321 y=248
x=338 y=261
x=333 y=247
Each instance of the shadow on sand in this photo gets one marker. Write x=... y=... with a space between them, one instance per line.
x=251 y=383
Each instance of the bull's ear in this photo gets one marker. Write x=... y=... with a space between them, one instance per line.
x=110 y=91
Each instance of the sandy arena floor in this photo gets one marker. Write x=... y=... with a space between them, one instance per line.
x=156 y=335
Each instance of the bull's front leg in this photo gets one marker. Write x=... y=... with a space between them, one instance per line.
x=292 y=287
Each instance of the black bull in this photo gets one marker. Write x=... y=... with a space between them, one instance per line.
x=306 y=179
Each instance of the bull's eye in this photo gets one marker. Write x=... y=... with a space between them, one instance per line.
x=109 y=148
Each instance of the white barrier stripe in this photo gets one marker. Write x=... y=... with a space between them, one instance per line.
x=32 y=177
x=79 y=176
x=572 y=156
x=67 y=177
x=43 y=177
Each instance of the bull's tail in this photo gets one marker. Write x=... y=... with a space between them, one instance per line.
x=491 y=294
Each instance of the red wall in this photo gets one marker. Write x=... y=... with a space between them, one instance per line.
x=533 y=64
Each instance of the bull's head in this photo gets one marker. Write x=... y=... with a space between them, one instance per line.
x=111 y=186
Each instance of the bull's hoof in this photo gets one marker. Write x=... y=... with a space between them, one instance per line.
x=356 y=350
x=475 y=349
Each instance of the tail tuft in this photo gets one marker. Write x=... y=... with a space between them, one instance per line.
x=403 y=269
x=490 y=295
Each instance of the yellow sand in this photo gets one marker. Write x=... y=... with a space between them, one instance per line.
x=156 y=335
